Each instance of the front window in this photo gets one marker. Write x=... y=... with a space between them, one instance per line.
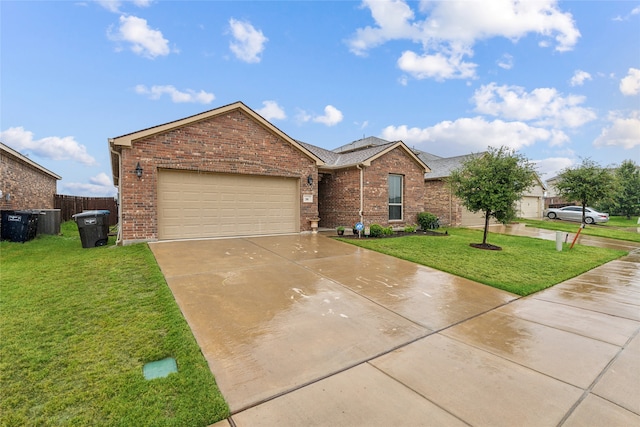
x=395 y=197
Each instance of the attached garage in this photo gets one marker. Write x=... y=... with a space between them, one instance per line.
x=193 y=205
x=223 y=173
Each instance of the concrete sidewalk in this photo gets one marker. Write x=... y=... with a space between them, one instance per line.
x=304 y=330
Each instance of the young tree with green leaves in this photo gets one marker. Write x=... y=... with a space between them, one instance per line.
x=627 y=196
x=492 y=183
x=587 y=183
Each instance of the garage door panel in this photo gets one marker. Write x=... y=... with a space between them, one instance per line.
x=192 y=204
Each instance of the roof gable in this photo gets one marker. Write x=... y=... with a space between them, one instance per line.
x=128 y=139
x=25 y=159
x=361 y=156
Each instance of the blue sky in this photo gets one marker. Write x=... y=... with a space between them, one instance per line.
x=557 y=81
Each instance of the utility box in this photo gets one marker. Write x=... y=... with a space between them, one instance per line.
x=49 y=221
x=93 y=227
x=19 y=226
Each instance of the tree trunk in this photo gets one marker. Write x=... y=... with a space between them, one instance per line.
x=486 y=227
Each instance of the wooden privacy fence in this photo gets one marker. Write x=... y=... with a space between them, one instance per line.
x=71 y=205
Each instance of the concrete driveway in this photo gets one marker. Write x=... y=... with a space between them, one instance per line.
x=305 y=330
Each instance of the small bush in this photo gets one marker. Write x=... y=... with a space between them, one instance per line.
x=409 y=228
x=387 y=231
x=376 y=230
x=427 y=220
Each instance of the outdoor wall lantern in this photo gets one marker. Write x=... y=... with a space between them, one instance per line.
x=310 y=180
x=139 y=170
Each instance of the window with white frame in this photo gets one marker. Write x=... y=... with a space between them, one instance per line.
x=395 y=197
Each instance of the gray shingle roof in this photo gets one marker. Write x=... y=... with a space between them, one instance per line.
x=367 y=142
x=349 y=158
x=442 y=167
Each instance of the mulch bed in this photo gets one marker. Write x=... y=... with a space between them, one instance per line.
x=486 y=246
x=397 y=234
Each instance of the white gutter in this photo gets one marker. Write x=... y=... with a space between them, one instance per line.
x=119 y=235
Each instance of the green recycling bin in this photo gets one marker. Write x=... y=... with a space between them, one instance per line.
x=93 y=227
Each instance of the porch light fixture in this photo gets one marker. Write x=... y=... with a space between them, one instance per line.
x=138 y=171
x=310 y=180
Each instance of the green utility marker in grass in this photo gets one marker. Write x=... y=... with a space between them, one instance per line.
x=159 y=368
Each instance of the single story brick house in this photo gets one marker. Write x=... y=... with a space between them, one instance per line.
x=25 y=184
x=230 y=172
x=442 y=203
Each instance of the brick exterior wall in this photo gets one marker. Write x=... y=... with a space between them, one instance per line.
x=440 y=202
x=339 y=198
x=29 y=187
x=339 y=192
x=232 y=142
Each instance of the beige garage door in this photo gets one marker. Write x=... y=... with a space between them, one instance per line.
x=470 y=219
x=530 y=207
x=192 y=205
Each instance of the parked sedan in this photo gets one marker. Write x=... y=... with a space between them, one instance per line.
x=574 y=213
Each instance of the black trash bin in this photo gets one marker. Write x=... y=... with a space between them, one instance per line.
x=93 y=227
x=19 y=226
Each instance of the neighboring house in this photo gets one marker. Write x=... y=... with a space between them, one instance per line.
x=441 y=202
x=552 y=199
x=24 y=183
x=230 y=172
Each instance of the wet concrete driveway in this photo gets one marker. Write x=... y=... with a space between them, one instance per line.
x=305 y=330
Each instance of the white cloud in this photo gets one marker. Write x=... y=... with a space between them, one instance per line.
x=506 y=62
x=630 y=85
x=189 y=95
x=624 y=132
x=544 y=106
x=114 y=5
x=272 y=111
x=472 y=135
x=438 y=66
x=579 y=77
x=248 y=42
x=552 y=166
x=51 y=147
x=98 y=186
x=450 y=29
x=144 y=41
x=634 y=11
x=332 y=116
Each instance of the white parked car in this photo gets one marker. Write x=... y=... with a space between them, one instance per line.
x=574 y=213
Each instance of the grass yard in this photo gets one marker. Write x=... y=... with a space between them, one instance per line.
x=77 y=327
x=622 y=221
x=523 y=266
x=614 y=229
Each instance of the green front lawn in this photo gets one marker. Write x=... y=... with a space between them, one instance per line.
x=77 y=327
x=622 y=221
x=523 y=266
x=609 y=229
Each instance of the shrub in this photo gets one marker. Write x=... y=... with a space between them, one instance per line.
x=376 y=230
x=427 y=220
x=387 y=231
x=409 y=228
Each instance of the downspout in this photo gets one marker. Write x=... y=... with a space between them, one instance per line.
x=361 y=169
x=119 y=235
